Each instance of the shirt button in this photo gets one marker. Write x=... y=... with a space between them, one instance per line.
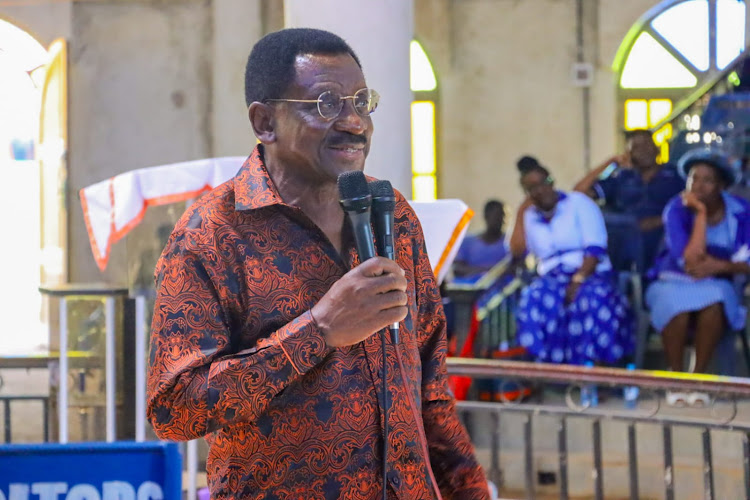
x=314 y=359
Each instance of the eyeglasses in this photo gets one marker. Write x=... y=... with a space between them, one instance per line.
x=330 y=103
x=534 y=188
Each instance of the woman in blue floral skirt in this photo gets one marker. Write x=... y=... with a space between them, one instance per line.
x=572 y=312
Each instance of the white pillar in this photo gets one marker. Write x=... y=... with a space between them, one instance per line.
x=236 y=27
x=379 y=32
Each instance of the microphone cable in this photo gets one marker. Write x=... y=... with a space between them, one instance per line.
x=383 y=205
x=386 y=413
x=383 y=220
x=356 y=200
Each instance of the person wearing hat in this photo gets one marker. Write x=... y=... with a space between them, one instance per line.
x=701 y=270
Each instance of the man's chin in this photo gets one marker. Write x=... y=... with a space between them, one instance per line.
x=341 y=167
x=332 y=172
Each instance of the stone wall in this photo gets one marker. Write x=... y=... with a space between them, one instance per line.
x=504 y=73
x=159 y=81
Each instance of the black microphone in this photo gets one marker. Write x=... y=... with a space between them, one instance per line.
x=356 y=201
x=383 y=205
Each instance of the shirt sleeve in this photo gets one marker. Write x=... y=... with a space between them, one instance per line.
x=462 y=255
x=591 y=226
x=195 y=384
x=605 y=188
x=742 y=254
x=676 y=231
x=457 y=472
x=529 y=226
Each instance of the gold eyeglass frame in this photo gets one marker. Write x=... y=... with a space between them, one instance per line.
x=374 y=96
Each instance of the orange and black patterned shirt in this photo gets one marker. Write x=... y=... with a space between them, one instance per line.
x=236 y=357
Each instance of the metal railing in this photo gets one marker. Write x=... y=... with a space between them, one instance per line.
x=491 y=301
x=729 y=390
x=7 y=420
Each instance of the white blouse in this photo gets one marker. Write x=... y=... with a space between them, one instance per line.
x=576 y=229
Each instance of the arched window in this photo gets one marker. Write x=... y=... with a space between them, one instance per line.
x=22 y=73
x=423 y=125
x=671 y=55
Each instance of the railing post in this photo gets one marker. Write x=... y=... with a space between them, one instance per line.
x=110 y=370
x=505 y=317
x=668 y=463
x=633 y=461
x=597 y=473
x=746 y=463
x=191 y=450
x=529 y=458
x=6 y=409
x=45 y=404
x=708 y=470
x=496 y=473
x=62 y=395
x=140 y=368
x=562 y=456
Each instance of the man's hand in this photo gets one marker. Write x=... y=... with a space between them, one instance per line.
x=366 y=299
x=622 y=160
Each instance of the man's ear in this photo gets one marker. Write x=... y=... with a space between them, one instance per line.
x=261 y=119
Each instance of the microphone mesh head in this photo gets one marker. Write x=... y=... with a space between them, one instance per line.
x=352 y=185
x=383 y=197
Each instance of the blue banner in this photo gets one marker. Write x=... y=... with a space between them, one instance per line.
x=91 y=471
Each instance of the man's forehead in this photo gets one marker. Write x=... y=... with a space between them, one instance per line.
x=320 y=58
x=339 y=68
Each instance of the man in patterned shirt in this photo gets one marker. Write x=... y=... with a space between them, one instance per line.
x=265 y=333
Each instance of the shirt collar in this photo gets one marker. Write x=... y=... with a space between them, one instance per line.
x=253 y=187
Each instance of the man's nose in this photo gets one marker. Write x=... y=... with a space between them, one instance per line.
x=351 y=121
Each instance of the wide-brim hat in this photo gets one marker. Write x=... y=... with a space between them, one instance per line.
x=728 y=169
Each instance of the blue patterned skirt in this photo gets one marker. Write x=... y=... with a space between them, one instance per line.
x=676 y=294
x=597 y=326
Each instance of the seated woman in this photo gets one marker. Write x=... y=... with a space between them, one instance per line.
x=571 y=313
x=707 y=236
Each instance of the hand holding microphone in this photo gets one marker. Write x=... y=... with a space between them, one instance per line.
x=372 y=295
